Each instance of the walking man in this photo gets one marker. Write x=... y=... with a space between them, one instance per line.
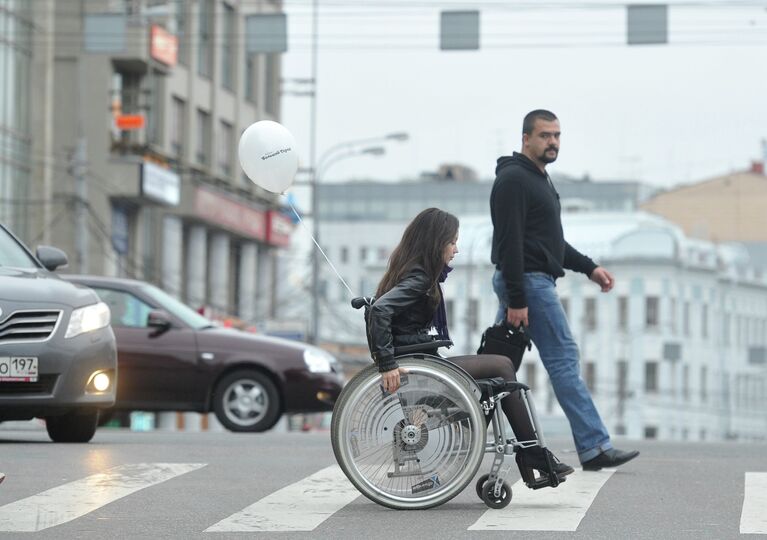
x=530 y=253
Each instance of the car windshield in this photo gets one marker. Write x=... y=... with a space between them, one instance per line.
x=12 y=254
x=179 y=309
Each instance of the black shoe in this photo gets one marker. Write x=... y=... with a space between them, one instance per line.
x=609 y=458
x=534 y=458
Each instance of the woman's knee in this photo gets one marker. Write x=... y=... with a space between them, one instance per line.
x=500 y=365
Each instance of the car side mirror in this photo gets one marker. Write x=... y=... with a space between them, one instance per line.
x=51 y=257
x=159 y=320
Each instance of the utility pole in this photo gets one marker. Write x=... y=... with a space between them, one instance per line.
x=81 y=160
x=315 y=315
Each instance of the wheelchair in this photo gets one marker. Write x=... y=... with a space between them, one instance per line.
x=420 y=446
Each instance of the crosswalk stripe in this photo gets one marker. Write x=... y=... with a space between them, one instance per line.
x=753 y=518
x=302 y=506
x=75 y=499
x=560 y=509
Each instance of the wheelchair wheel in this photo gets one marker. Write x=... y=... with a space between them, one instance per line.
x=501 y=501
x=414 y=449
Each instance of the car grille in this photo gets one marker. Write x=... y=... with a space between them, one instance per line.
x=44 y=385
x=28 y=325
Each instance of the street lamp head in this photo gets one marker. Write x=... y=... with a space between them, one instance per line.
x=398 y=136
x=374 y=151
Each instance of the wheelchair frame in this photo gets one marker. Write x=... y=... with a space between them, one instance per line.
x=482 y=398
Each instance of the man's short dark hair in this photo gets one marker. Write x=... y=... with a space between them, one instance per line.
x=529 y=122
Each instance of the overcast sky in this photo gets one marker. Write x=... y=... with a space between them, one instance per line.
x=662 y=114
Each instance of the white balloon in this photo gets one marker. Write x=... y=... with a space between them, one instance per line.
x=268 y=155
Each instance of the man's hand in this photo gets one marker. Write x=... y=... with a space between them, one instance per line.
x=603 y=278
x=516 y=316
x=391 y=379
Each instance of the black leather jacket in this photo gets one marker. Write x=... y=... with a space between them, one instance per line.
x=402 y=316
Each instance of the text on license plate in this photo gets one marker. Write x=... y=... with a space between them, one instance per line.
x=18 y=368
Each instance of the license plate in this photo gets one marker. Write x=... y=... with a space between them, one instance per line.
x=18 y=368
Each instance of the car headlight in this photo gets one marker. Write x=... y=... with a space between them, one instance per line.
x=88 y=319
x=318 y=361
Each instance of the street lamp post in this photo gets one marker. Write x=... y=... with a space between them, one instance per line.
x=333 y=154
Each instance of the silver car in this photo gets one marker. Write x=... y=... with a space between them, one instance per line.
x=58 y=358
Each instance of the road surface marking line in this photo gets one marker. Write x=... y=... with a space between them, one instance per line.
x=302 y=506
x=75 y=499
x=753 y=519
x=546 y=509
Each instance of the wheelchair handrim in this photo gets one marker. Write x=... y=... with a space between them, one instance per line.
x=465 y=466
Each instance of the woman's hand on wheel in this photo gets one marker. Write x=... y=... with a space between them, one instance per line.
x=391 y=379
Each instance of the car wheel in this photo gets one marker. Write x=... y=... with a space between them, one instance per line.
x=77 y=426
x=246 y=400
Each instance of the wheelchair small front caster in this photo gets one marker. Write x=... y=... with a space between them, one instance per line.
x=494 y=502
x=480 y=486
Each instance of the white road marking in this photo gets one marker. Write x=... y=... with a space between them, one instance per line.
x=302 y=506
x=546 y=509
x=75 y=499
x=753 y=519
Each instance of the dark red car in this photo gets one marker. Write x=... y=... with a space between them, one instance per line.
x=170 y=358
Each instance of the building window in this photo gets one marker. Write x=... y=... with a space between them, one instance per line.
x=225 y=148
x=126 y=94
x=383 y=254
x=449 y=309
x=650 y=432
x=202 y=152
x=363 y=255
x=704 y=384
x=590 y=314
x=177 y=126
x=530 y=375
x=704 y=321
x=205 y=39
x=686 y=382
x=623 y=313
x=686 y=318
x=590 y=376
x=344 y=254
x=271 y=98
x=651 y=377
x=565 y=306
x=228 y=48
x=181 y=32
x=652 y=315
x=251 y=78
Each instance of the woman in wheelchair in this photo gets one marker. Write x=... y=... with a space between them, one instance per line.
x=409 y=304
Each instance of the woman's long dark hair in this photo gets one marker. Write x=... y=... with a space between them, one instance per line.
x=423 y=244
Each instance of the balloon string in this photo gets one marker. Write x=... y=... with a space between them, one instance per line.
x=318 y=247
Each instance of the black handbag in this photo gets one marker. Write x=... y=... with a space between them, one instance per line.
x=507 y=341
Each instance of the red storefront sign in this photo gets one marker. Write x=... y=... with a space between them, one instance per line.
x=228 y=213
x=163 y=46
x=278 y=229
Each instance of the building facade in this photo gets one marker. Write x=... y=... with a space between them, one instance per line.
x=139 y=105
x=728 y=208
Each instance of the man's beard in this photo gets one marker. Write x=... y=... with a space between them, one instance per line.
x=546 y=159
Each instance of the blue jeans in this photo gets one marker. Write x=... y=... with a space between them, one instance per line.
x=559 y=354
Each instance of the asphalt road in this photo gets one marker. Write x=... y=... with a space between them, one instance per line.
x=222 y=485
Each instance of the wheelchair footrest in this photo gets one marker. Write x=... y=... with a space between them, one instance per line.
x=544 y=481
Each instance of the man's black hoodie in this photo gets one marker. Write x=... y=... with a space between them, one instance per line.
x=527 y=227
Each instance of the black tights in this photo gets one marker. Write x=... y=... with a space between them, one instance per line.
x=486 y=366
